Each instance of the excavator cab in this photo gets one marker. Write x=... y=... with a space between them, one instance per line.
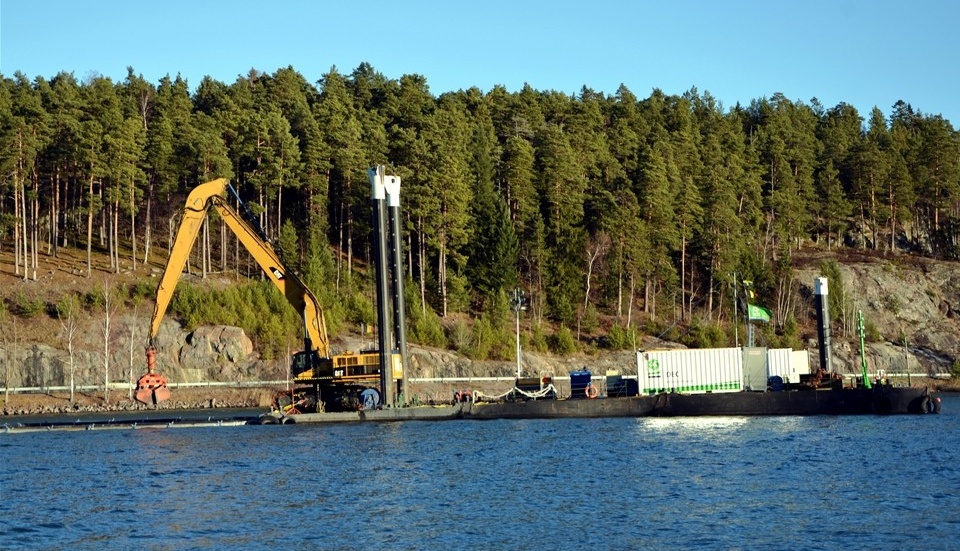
x=303 y=361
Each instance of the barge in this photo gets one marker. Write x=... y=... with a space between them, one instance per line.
x=882 y=399
x=741 y=381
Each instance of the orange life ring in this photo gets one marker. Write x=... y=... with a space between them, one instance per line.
x=591 y=391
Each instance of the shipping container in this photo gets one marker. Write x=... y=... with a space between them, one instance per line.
x=690 y=371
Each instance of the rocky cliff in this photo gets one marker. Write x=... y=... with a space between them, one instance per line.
x=910 y=302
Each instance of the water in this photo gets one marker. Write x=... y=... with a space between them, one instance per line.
x=713 y=483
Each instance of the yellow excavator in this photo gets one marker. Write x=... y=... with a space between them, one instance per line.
x=323 y=381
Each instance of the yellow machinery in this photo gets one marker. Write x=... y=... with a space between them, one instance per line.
x=342 y=382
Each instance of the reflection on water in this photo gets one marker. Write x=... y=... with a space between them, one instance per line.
x=694 y=426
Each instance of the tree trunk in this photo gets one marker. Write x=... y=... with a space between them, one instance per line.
x=421 y=253
x=35 y=229
x=103 y=217
x=17 y=243
x=223 y=247
x=710 y=295
x=106 y=343
x=205 y=250
x=115 y=235
x=133 y=225
x=620 y=284
x=279 y=222
x=147 y=234
x=646 y=294
x=683 y=276
x=26 y=232
x=90 y=226
x=18 y=213
x=442 y=274
x=349 y=215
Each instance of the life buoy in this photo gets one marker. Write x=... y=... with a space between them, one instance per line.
x=591 y=391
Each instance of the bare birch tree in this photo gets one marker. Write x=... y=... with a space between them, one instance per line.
x=596 y=249
x=7 y=332
x=105 y=326
x=67 y=310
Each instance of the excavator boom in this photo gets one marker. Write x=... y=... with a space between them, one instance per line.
x=152 y=387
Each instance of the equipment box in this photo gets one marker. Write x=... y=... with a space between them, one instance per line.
x=579 y=380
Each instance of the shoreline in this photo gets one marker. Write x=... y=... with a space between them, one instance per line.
x=55 y=403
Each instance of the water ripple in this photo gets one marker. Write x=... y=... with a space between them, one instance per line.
x=710 y=483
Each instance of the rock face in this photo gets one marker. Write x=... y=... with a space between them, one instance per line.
x=911 y=307
x=218 y=352
x=210 y=353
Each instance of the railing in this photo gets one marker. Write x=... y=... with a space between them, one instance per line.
x=128 y=386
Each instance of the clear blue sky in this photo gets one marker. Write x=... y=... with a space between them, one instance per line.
x=863 y=52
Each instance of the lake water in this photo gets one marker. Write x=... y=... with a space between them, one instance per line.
x=711 y=483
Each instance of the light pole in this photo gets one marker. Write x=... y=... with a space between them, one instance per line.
x=518 y=302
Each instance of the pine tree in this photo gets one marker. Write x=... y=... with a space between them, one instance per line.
x=839 y=131
x=561 y=187
x=656 y=196
x=445 y=204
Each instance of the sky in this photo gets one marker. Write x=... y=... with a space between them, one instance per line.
x=866 y=53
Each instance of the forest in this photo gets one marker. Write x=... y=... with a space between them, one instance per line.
x=613 y=213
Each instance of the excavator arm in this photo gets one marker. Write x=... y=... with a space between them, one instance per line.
x=152 y=387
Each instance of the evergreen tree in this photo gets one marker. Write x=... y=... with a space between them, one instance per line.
x=446 y=199
x=788 y=150
x=63 y=102
x=656 y=196
x=839 y=132
x=722 y=237
x=25 y=134
x=872 y=162
x=688 y=204
x=349 y=191
x=561 y=187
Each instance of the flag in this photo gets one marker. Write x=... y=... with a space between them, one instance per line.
x=758 y=313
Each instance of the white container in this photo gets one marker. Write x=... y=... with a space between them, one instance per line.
x=788 y=364
x=692 y=371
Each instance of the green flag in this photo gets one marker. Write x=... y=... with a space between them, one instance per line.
x=758 y=313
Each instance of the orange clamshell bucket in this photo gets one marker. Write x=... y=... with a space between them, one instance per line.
x=152 y=387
